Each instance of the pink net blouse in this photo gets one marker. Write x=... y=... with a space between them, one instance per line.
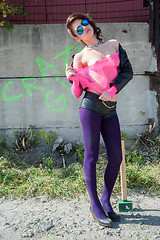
x=97 y=76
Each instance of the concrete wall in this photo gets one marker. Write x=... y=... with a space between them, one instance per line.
x=34 y=89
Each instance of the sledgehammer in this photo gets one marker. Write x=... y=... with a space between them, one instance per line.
x=124 y=205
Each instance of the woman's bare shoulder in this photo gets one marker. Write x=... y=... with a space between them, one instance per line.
x=114 y=43
x=78 y=59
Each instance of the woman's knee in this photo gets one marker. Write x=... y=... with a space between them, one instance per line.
x=115 y=157
x=91 y=155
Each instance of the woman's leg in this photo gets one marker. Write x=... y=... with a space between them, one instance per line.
x=112 y=137
x=91 y=126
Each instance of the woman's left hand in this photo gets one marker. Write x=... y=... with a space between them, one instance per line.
x=105 y=96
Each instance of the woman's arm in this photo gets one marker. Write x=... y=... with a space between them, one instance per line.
x=71 y=74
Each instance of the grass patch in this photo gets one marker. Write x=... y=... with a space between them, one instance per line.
x=145 y=176
x=139 y=176
x=19 y=178
x=69 y=182
x=32 y=181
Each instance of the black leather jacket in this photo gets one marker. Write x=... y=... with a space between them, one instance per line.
x=125 y=71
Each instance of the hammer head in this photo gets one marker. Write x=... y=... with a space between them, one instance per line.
x=124 y=206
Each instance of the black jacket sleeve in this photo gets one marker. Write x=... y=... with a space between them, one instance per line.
x=125 y=71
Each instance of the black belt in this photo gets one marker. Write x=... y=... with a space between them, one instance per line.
x=104 y=108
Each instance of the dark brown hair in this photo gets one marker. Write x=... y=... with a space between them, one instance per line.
x=74 y=16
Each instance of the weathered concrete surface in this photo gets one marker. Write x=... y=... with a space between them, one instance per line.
x=34 y=89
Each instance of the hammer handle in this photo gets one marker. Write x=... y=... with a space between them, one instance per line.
x=123 y=174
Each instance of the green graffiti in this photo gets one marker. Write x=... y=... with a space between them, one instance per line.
x=41 y=62
x=27 y=86
x=78 y=48
x=6 y=99
x=67 y=52
x=30 y=83
x=61 y=98
x=64 y=85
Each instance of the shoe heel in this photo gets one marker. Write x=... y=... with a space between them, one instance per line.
x=94 y=216
x=103 y=222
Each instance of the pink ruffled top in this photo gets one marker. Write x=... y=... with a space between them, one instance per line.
x=97 y=76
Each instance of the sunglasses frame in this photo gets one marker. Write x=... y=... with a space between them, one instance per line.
x=81 y=27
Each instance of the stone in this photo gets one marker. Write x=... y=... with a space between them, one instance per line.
x=68 y=147
x=57 y=143
x=47 y=227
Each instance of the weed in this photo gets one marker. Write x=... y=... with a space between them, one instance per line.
x=80 y=153
x=124 y=135
x=48 y=162
x=148 y=145
x=50 y=136
x=133 y=155
x=26 y=138
x=1 y=140
x=142 y=113
x=31 y=137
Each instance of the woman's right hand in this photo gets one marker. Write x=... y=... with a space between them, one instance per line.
x=69 y=71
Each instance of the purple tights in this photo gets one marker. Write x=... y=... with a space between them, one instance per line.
x=92 y=125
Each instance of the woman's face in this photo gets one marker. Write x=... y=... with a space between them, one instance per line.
x=86 y=30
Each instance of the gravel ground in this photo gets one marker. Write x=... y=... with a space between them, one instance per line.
x=49 y=219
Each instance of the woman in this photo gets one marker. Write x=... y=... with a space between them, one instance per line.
x=101 y=69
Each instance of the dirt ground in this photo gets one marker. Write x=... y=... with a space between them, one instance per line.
x=49 y=219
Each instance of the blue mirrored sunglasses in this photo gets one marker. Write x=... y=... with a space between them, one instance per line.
x=84 y=22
